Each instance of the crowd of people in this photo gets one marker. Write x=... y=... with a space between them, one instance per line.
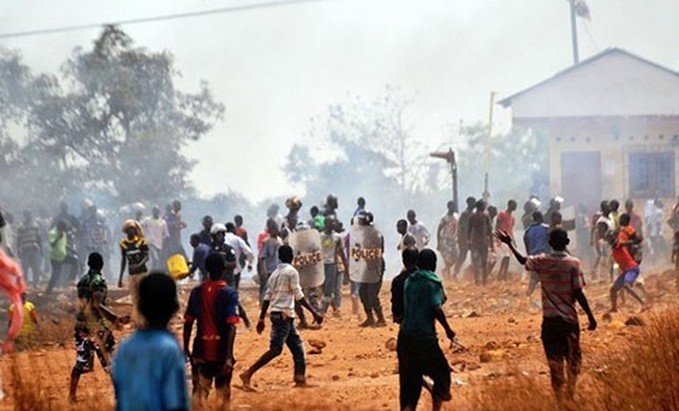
x=302 y=265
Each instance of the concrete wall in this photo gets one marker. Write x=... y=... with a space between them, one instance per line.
x=614 y=138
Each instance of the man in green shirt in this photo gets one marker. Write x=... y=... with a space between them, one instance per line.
x=418 y=349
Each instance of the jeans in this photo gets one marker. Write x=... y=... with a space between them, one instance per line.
x=370 y=298
x=283 y=331
x=154 y=258
x=417 y=358
x=480 y=263
x=332 y=288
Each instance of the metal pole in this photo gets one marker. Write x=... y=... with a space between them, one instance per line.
x=574 y=32
x=486 y=192
x=453 y=170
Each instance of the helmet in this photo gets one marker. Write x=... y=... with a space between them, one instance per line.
x=365 y=217
x=217 y=228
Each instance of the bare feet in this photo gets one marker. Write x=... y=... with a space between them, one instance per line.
x=245 y=378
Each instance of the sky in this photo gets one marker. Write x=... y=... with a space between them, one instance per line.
x=275 y=69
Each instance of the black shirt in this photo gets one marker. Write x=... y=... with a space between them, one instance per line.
x=397 y=294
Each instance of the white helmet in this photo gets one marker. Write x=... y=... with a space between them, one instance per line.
x=217 y=228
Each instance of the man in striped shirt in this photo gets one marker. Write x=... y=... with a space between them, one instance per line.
x=562 y=281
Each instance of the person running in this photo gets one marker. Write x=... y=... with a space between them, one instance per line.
x=29 y=247
x=282 y=291
x=331 y=245
x=407 y=239
x=149 y=368
x=505 y=222
x=409 y=259
x=629 y=268
x=134 y=255
x=462 y=237
x=155 y=231
x=562 y=281
x=418 y=230
x=215 y=306
x=29 y=328
x=92 y=329
x=446 y=238
x=480 y=240
x=242 y=250
x=419 y=353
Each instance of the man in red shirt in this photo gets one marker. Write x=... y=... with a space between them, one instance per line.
x=505 y=223
x=629 y=268
x=215 y=305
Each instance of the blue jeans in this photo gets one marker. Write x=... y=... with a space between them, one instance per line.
x=332 y=288
x=283 y=331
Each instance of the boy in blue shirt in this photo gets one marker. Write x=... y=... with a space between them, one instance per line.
x=149 y=367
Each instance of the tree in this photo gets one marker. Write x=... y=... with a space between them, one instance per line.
x=519 y=163
x=374 y=153
x=112 y=121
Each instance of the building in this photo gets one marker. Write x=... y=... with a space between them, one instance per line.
x=613 y=128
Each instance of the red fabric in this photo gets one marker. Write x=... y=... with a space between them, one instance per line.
x=505 y=222
x=621 y=254
x=210 y=334
x=12 y=283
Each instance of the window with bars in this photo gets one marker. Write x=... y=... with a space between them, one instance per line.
x=651 y=174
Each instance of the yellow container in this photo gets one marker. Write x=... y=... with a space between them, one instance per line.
x=177 y=266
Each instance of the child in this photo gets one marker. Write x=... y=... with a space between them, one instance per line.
x=29 y=327
x=92 y=329
x=149 y=367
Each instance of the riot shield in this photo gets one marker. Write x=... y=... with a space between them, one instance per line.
x=365 y=254
x=308 y=257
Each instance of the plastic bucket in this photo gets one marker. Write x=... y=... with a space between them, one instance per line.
x=177 y=266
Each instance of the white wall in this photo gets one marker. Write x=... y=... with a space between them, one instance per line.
x=614 y=85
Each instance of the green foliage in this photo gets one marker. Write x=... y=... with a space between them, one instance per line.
x=110 y=121
x=519 y=164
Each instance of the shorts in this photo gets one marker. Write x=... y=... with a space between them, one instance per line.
x=627 y=277
x=561 y=342
x=204 y=373
x=418 y=358
x=86 y=347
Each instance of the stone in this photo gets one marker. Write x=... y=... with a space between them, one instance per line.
x=635 y=321
x=390 y=344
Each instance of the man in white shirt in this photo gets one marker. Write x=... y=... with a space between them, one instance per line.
x=155 y=231
x=418 y=230
x=241 y=248
x=282 y=291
